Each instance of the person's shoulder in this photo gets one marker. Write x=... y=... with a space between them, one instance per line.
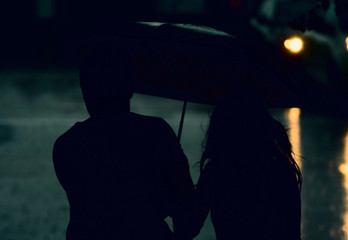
x=144 y=117
x=158 y=126
x=150 y=119
x=68 y=135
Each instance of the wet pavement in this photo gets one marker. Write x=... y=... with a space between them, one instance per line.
x=38 y=106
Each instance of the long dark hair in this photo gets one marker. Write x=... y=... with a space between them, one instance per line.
x=236 y=122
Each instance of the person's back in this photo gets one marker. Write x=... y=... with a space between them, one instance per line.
x=253 y=202
x=123 y=173
x=249 y=180
x=113 y=170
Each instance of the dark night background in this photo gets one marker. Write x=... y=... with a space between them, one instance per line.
x=40 y=98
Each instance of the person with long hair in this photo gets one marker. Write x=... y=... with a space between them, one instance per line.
x=250 y=181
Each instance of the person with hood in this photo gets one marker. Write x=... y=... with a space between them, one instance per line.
x=123 y=172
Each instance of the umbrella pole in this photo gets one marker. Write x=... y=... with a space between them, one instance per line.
x=182 y=120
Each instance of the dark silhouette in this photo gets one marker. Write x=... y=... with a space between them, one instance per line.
x=249 y=179
x=123 y=173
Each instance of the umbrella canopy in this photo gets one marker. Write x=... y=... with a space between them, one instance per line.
x=190 y=63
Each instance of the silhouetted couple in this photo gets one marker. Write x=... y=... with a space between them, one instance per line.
x=124 y=173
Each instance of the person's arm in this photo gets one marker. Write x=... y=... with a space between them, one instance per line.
x=182 y=189
x=178 y=180
x=202 y=201
x=195 y=204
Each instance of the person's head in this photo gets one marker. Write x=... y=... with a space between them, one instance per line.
x=105 y=80
x=237 y=120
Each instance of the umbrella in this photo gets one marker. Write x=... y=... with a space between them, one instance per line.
x=190 y=63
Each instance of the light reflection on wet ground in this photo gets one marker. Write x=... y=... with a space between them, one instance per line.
x=343 y=168
x=33 y=206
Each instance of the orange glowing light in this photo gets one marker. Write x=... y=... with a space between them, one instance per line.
x=343 y=168
x=294 y=45
x=293 y=119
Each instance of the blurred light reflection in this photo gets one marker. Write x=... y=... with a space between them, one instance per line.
x=293 y=119
x=343 y=168
x=294 y=45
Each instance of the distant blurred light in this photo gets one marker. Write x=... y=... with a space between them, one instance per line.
x=343 y=168
x=347 y=43
x=294 y=45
